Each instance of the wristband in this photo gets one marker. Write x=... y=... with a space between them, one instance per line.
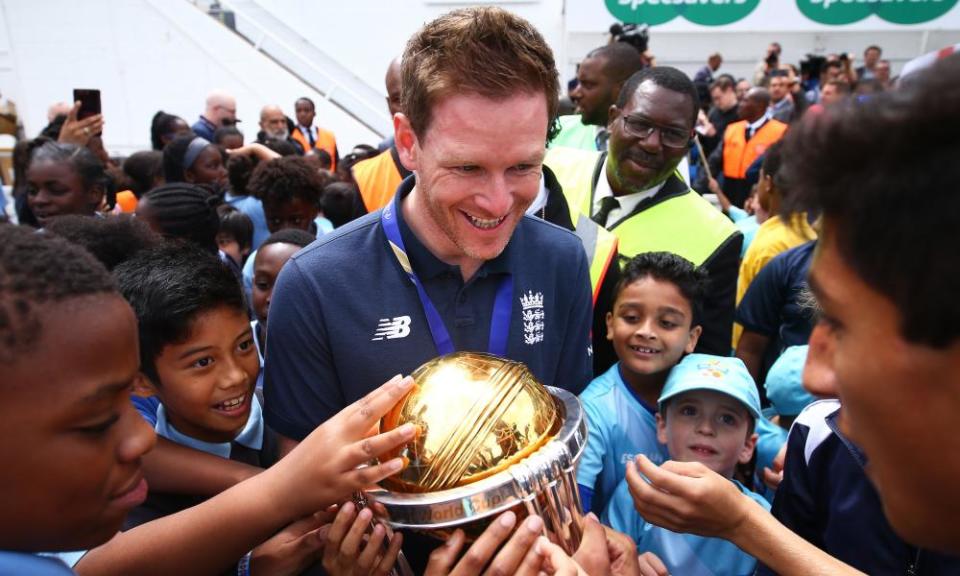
x=243 y=566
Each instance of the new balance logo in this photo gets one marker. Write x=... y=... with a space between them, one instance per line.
x=390 y=328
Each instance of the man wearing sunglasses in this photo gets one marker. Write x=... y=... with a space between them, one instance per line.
x=636 y=192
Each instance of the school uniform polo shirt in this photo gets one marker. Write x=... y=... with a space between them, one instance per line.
x=251 y=436
x=686 y=554
x=619 y=426
x=827 y=499
x=772 y=304
x=31 y=564
x=345 y=318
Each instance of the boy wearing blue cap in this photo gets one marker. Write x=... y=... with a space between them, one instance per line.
x=708 y=413
x=784 y=385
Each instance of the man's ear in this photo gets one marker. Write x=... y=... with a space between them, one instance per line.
x=610 y=326
x=143 y=387
x=612 y=114
x=746 y=453
x=406 y=141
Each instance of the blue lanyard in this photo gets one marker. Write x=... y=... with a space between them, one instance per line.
x=502 y=304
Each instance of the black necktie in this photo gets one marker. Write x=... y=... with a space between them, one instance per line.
x=607 y=204
x=310 y=136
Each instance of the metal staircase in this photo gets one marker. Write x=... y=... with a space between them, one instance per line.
x=282 y=44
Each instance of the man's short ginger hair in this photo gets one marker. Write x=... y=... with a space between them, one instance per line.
x=484 y=51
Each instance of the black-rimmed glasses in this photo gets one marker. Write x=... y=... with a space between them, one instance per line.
x=639 y=127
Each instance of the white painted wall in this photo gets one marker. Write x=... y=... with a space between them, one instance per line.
x=367 y=34
x=144 y=55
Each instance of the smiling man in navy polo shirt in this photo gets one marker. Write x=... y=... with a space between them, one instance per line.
x=451 y=263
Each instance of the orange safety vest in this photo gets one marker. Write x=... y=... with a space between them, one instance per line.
x=377 y=178
x=127 y=201
x=739 y=153
x=325 y=141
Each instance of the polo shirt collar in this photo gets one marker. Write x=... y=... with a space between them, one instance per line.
x=633 y=393
x=251 y=436
x=759 y=122
x=426 y=265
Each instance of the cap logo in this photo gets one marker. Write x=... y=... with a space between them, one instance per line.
x=712 y=369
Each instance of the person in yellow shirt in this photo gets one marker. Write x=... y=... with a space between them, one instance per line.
x=777 y=234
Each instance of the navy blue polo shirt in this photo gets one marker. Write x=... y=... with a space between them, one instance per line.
x=771 y=305
x=827 y=499
x=345 y=318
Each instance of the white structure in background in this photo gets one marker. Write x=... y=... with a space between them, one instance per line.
x=145 y=55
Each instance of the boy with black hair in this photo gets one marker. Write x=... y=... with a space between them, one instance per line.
x=708 y=412
x=653 y=323
x=73 y=442
x=235 y=237
x=268 y=262
x=289 y=190
x=199 y=359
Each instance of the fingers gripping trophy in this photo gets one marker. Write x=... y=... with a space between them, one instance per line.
x=490 y=438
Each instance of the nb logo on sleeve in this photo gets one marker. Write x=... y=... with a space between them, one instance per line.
x=391 y=328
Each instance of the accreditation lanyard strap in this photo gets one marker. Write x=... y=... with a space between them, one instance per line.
x=502 y=304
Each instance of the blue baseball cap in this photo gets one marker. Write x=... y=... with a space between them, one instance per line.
x=721 y=374
x=785 y=382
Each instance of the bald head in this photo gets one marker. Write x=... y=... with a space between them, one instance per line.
x=754 y=104
x=221 y=106
x=620 y=60
x=392 y=82
x=57 y=109
x=273 y=122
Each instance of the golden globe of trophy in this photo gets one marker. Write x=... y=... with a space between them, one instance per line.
x=490 y=438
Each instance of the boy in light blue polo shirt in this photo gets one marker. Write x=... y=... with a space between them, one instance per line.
x=708 y=412
x=653 y=323
x=199 y=358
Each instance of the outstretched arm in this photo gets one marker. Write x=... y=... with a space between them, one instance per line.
x=689 y=497
x=321 y=470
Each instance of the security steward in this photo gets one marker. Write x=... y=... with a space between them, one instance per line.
x=636 y=192
x=747 y=140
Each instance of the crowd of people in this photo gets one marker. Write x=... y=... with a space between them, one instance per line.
x=748 y=282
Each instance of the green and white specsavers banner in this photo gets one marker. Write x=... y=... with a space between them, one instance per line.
x=764 y=15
